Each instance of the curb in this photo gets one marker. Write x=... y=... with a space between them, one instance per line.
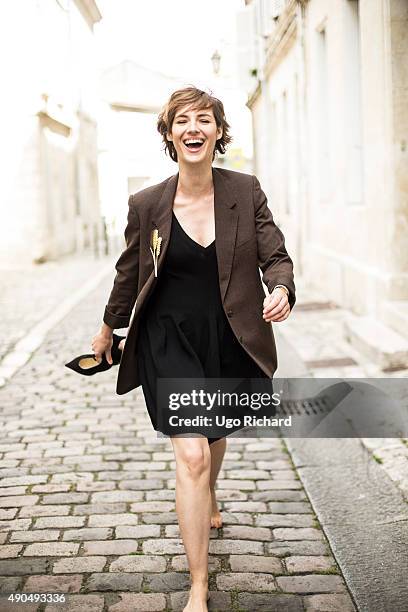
x=24 y=348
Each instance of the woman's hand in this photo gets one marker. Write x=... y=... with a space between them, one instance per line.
x=102 y=343
x=276 y=306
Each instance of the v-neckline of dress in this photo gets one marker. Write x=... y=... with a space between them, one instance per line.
x=205 y=248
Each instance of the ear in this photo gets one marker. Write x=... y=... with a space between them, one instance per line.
x=169 y=137
x=219 y=133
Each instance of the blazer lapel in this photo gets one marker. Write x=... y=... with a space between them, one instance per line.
x=226 y=223
x=161 y=220
x=162 y=216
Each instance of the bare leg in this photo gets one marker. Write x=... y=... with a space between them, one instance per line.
x=193 y=507
x=217 y=450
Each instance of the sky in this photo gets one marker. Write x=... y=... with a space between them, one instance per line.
x=177 y=38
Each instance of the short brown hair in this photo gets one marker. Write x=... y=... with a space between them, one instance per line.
x=200 y=100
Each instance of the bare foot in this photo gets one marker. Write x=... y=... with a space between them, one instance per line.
x=197 y=601
x=216 y=518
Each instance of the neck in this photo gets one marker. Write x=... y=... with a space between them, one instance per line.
x=195 y=180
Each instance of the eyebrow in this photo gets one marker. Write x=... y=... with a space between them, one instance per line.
x=199 y=114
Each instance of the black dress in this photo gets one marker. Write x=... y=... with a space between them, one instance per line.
x=183 y=331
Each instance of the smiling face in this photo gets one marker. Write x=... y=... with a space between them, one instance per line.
x=194 y=134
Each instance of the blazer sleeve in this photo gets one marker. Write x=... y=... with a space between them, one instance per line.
x=123 y=295
x=273 y=259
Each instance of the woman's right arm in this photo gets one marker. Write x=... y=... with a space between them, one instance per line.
x=124 y=291
x=123 y=295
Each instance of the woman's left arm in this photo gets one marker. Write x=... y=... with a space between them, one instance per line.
x=273 y=259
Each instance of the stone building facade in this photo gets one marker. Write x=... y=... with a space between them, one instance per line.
x=328 y=91
x=49 y=183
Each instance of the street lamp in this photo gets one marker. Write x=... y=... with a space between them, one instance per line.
x=216 y=59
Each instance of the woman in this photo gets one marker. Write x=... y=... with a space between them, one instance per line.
x=195 y=243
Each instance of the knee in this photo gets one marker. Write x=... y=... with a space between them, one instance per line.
x=196 y=461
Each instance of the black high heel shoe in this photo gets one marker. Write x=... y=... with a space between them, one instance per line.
x=87 y=364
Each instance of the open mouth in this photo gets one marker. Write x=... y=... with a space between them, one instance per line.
x=194 y=144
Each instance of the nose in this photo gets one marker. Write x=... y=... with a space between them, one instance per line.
x=192 y=126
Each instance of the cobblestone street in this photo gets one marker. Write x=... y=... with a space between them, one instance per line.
x=87 y=501
x=236 y=174
x=31 y=293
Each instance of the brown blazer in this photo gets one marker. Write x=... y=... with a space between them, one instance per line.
x=246 y=239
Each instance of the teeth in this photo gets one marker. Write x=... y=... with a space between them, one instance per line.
x=193 y=140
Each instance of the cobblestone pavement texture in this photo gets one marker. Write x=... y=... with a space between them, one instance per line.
x=318 y=334
x=30 y=293
x=87 y=502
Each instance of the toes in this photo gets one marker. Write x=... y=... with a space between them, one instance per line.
x=216 y=521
